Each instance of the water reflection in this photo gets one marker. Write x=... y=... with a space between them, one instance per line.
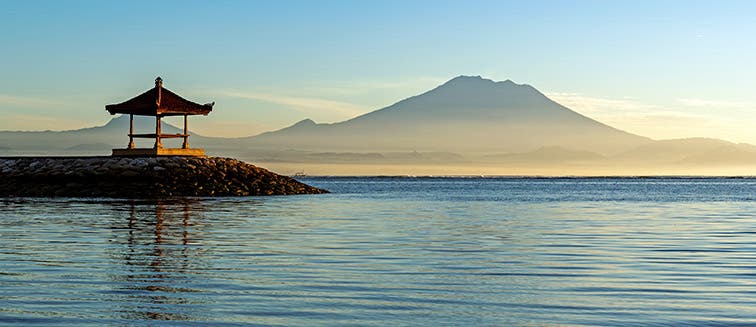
x=390 y=252
x=158 y=261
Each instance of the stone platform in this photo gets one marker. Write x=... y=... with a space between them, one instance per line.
x=162 y=152
x=141 y=177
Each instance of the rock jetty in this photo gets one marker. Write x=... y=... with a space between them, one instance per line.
x=141 y=178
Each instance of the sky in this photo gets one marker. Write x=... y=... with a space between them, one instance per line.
x=662 y=69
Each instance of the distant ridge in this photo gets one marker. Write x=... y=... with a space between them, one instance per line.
x=81 y=141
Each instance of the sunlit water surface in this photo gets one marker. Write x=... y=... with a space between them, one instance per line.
x=391 y=252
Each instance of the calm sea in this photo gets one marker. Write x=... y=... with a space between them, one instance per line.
x=391 y=252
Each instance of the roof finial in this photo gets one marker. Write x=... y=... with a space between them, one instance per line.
x=159 y=87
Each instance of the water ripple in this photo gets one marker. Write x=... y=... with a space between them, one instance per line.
x=385 y=251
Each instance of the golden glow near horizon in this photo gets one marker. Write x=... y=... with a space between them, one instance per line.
x=682 y=118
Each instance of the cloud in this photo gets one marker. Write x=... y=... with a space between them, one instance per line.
x=621 y=108
x=342 y=88
x=305 y=105
x=17 y=101
x=588 y=104
x=652 y=120
x=694 y=102
x=33 y=122
x=31 y=114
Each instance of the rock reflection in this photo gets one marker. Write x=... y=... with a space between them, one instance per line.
x=158 y=261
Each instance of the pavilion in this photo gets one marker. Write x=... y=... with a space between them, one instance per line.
x=159 y=102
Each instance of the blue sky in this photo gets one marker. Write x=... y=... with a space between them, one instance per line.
x=658 y=68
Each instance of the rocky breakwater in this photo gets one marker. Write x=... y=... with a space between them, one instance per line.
x=141 y=177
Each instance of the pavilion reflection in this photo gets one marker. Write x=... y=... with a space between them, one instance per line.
x=161 y=253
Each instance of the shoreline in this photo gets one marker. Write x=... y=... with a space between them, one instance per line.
x=531 y=176
x=141 y=177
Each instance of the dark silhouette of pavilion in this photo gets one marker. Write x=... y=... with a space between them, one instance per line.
x=159 y=102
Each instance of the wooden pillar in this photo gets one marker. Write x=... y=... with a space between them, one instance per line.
x=131 y=131
x=158 y=143
x=186 y=135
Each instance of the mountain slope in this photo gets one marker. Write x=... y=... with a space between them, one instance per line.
x=465 y=115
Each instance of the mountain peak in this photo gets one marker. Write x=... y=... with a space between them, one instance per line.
x=480 y=82
x=304 y=122
x=303 y=125
x=467 y=79
x=464 y=90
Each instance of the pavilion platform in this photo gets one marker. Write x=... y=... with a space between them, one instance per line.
x=159 y=102
x=162 y=152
